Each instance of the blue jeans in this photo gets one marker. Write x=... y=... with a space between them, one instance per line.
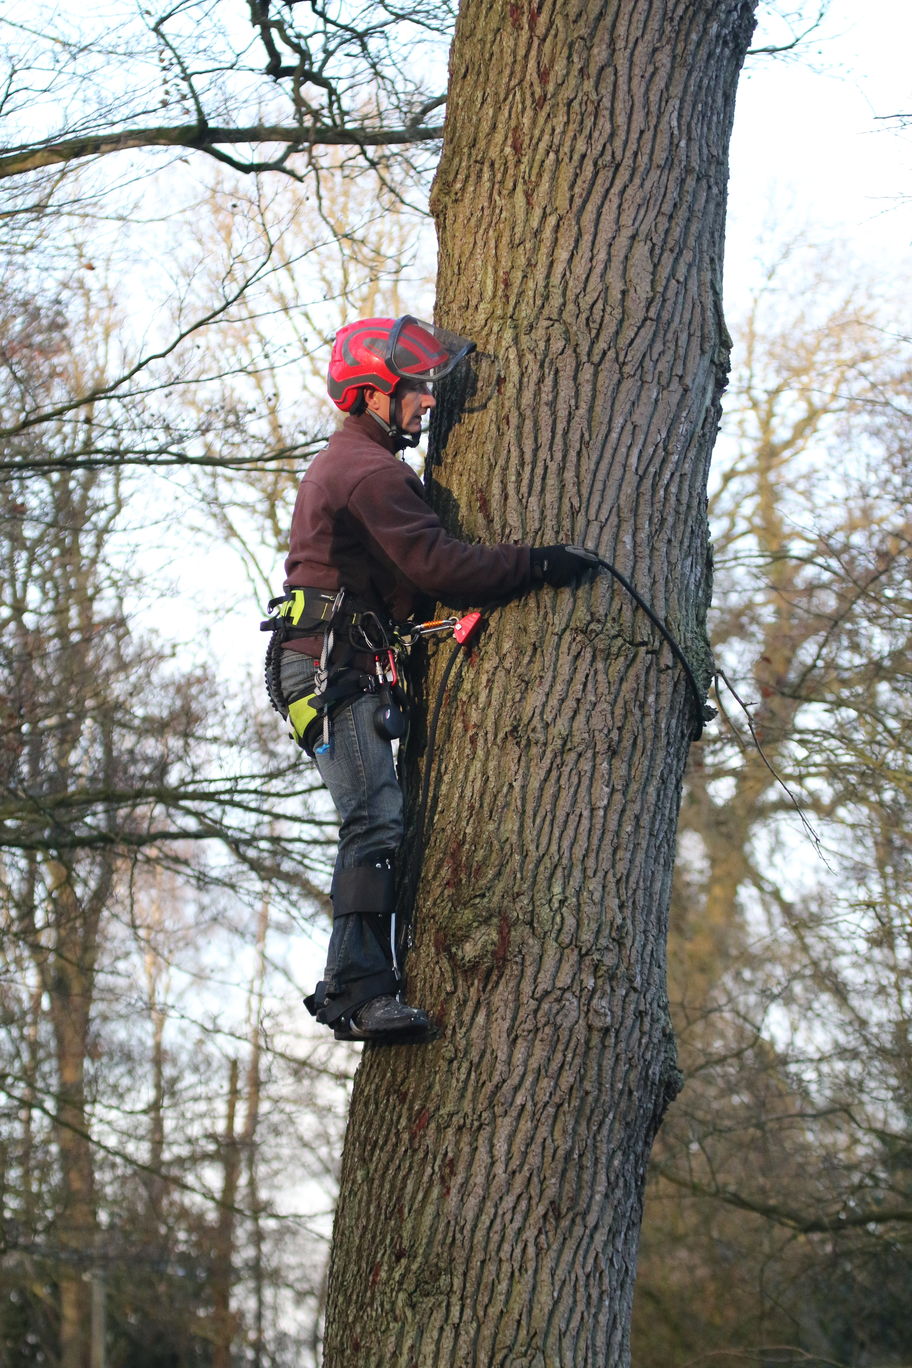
x=359 y=772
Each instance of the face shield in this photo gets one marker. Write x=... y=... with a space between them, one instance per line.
x=423 y=352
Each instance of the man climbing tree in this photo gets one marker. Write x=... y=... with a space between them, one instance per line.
x=492 y=1181
x=365 y=548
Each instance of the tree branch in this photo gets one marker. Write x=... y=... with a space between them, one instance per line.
x=773 y=49
x=793 y=1220
x=202 y=137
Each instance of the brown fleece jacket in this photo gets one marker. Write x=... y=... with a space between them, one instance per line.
x=361 y=520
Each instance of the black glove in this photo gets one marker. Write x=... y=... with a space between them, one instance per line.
x=558 y=565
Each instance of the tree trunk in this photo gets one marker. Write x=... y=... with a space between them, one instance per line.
x=224 y=1321
x=249 y=1134
x=492 y=1181
x=68 y=976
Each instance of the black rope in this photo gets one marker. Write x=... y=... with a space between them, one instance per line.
x=431 y=743
x=702 y=713
x=412 y=871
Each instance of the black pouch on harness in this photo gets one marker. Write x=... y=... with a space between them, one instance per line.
x=391 y=717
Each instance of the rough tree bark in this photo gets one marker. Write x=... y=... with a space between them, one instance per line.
x=492 y=1181
x=224 y=1321
x=68 y=974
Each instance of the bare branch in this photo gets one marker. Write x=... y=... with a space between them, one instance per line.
x=785 y=1216
x=203 y=137
x=776 y=49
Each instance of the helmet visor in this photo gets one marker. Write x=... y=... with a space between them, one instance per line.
x=423 y=352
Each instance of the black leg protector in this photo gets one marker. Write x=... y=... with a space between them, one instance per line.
x=361 y=962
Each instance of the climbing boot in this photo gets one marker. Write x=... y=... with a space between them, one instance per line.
x=385 y=1019
x=360 y=965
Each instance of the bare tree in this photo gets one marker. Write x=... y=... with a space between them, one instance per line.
x=117 y=783
x=785 y=1157
x=491 y=1183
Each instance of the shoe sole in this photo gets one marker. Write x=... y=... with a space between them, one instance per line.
x=407 y=1035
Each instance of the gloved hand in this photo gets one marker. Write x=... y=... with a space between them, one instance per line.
x=558 y=566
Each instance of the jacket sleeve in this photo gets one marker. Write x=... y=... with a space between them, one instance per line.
x=399 y=521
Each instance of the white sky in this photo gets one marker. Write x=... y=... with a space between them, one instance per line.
x=809 y=149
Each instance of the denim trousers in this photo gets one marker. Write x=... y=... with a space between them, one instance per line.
x=360 y=774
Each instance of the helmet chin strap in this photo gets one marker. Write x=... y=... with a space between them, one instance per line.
x=399 y=435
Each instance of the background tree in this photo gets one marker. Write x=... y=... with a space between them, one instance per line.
x=135 y=839
x=211 y=819
x=783 y=1171
x=273 y=85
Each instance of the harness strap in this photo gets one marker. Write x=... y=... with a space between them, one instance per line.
x=330 y=1008
x=305 y=611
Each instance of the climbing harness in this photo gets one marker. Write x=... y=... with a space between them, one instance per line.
x=303 y=612
x=306 y=612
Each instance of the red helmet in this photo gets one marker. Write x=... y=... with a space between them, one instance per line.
x=382 y=351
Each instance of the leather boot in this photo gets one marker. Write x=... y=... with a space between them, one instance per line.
x=385 y=1019
x=359 y=995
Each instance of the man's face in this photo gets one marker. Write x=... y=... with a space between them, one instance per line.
x=415 y=400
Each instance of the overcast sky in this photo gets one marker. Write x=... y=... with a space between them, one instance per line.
x=809 y=149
